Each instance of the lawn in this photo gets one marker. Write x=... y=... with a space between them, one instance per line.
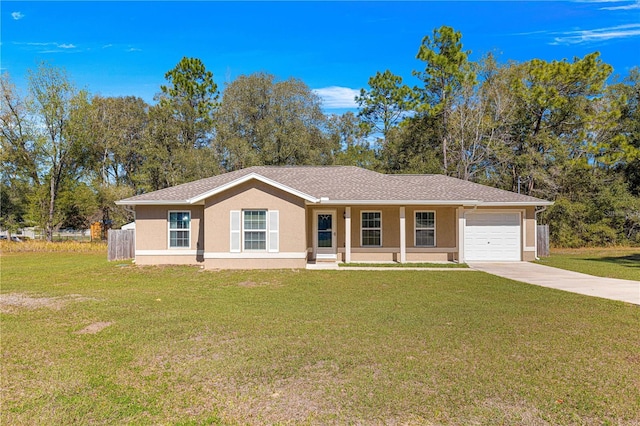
x=615 y=262
x=89 y=342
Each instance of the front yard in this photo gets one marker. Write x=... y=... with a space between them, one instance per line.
x=614 y=262
x=85 y=341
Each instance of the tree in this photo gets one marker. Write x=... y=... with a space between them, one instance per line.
x=446 y=69
x=348 y=134
x=556 y=116
x=385 y=104
x=629 y=90
x=43 y=140
x=192 y=98
x=117 y=138
x=264 y=121
x=118 y=127
x=57 y=145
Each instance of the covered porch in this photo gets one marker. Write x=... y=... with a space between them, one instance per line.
x=369 y=233
x=419 y=233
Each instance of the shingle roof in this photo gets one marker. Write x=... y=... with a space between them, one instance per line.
x=343 y=183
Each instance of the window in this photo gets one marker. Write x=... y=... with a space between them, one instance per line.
x=255 y=229
x=371 y=235
x=179 y=229
x=425 y=229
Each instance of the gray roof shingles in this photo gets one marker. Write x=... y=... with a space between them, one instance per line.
x=347 y=183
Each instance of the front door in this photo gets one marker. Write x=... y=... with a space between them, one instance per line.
x=325 y=238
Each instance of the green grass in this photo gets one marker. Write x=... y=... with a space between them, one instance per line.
x=404 y=265
x=616 y=262
x=194 y=347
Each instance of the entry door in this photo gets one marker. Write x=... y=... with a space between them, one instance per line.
x=325 y=237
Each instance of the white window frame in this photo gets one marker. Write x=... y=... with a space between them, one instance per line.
x=169 y=229
x=416 y=228
x=243 y=231
x=362 y=228
x=272 y=231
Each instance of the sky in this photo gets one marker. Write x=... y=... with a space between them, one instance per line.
x=125 y=48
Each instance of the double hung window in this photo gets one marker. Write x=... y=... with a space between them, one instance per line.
x=425 y=235
x=179 y=229
x=371 y=229
x=255 y=229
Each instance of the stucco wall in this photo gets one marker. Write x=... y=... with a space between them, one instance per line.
x=255 y=263
x=255 y=195
x=152 y=227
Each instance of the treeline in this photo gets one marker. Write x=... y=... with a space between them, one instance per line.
x=560 y=130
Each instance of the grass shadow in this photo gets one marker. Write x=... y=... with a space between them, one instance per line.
x=630 y=261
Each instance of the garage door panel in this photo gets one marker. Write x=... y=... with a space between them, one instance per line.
x=492 y=237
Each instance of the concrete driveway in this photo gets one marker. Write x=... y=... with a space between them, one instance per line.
x=575 y=282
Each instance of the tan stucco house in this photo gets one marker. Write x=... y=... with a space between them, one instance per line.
x=285 y=217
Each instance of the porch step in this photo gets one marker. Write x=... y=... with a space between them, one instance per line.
x=322 y=265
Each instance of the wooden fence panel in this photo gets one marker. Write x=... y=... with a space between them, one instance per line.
x=122 y=244
x=543 y=240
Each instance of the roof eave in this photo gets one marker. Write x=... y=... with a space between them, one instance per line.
x=154 y=203
x=470 y=203
x=515 y=203
x=399 y=202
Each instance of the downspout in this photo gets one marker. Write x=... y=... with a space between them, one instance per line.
x=535 y=217
x=126 y=207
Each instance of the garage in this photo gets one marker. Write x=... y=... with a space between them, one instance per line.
x=492 y=237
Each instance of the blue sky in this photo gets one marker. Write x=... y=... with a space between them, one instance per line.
x=125 y=48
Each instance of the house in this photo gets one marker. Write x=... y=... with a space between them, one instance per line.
x=284 y=217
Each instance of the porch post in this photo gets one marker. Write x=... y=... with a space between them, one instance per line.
x=347 y=234
x=460 y=232
x=403 y=236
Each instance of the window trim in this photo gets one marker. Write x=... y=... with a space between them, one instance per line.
x=416 y=229
x=265 y=230
x=169 y=229
x=362 y=228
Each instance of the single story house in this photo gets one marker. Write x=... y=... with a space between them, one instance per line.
x=285 y=217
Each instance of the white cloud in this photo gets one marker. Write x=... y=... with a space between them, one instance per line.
x=134 y=49
x=17 y=15
x=67 y=46
x=625 y=4
x=337 y=97
x=631 y=6
x=599 y=34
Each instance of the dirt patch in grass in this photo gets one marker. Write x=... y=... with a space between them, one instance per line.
x=15 y=301
x=94 y=328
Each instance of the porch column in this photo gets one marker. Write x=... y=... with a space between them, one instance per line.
x=403 y=236
x=347 y=234
x=460 y=231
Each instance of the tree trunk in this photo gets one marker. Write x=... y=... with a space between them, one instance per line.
x=52 y=204
x=445 y=163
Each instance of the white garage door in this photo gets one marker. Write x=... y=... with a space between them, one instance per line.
x=492 y=237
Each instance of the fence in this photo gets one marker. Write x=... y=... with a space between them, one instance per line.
x=543 y=240
x=122 y=244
